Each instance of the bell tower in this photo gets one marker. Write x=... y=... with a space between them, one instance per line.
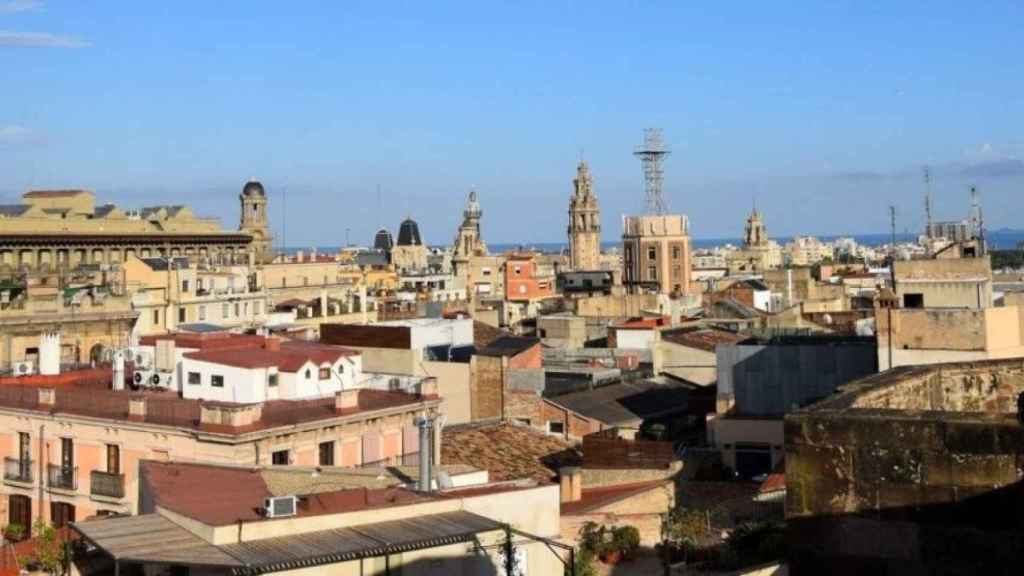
x=254 y=219
x=584 y=223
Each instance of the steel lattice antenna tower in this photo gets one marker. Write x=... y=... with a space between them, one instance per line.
x=927 y=202
x=652 y=153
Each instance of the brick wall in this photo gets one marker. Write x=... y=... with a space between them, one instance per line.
x=486 y=387
x=524 y=406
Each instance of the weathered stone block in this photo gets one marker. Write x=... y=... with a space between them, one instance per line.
x=971 y=438
x=970 y=470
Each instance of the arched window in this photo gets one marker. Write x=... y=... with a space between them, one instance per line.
x=309 y=374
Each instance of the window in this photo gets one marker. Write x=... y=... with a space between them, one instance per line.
x=199 y=285
x=19 y=512
x=113 y=459
x=257 y=308
x=217 y=381
x=652 y=253
x=236 y=310
x=61 y=513
x=225 y=310
x=184 y=285
x=194 y=378
x=67 y=453
x=325 y=373
x=676 y=252
x=517 y=270
x=327 y=453
x=913 y=300
x=523 y=421
x=181 y=314
x=272 y=380
x=279 y=458
x=156 y=317
x=308 y=374
x=556 y=427
x=246 y=310
x=202 y=312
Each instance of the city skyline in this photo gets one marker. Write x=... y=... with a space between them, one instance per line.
x=800 y=110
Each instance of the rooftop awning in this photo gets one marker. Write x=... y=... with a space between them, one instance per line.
x=153 y=539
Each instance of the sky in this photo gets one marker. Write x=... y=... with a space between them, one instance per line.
x=822 y=113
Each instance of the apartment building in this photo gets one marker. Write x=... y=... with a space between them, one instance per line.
x=72 y=442
x=172 y=293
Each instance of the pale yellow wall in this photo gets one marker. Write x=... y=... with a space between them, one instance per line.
x=453 y=385
x=697 y=366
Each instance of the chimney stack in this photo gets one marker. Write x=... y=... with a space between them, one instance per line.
x=426 y=450
x=570 y=480
x=346 y=399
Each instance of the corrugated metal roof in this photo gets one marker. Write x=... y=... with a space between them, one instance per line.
x=152 y=538
x=363 y=541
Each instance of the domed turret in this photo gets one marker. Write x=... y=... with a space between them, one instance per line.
x=252 y=188
x=383 y=240
x=409 y=233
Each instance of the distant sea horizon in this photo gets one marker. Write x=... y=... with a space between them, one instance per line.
x=1002 y=239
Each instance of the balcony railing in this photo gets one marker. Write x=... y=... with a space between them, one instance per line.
x=61 y=477
x=17 y=470
x=107 y=484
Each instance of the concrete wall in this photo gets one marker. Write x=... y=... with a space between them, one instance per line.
x=928 y=336
x=697 y=366
x=772 y=379
x=453 y=382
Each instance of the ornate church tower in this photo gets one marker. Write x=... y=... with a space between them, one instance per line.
x=254 y=219
x=468 y=244
x=755 y=233
x=584 y=223
x=467 y=240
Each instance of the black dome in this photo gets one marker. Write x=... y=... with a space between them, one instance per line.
x=409 y=233
x=383 y=240
x=253 y=187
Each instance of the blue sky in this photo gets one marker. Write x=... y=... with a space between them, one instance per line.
x=823 y=113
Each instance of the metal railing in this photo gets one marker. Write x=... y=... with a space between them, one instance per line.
x=62 y=477
x=18 y=470
x=106 y=484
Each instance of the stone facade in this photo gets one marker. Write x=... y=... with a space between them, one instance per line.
x=916 y=470
x=656 y=254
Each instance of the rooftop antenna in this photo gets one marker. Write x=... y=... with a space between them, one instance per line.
x=892 y=224
x=652 y=155
x=927 y=202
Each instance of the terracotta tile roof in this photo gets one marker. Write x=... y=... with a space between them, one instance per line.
x=54 y=193
x=773 y=483
x=230 y=494
x=484 y=334
x=596 y=498
x=702 y=339
x=507 y=451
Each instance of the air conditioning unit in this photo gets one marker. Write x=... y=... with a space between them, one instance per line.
x=143 y=360
x=161 y=379
x=24 y=368
x=142 y=378
x=280 y=506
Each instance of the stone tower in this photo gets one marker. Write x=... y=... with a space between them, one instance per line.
x=467 y=240
x=755 y=233
x=584 y=223
x=254 y=219
x=468 y=244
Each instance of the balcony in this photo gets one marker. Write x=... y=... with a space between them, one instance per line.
x=106 y=484
x=17 y=470
x=62 y=478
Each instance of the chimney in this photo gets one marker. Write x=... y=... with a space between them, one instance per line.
x=570 y=481
x=426 y=450
x=428 y=386
x=346 y=399
x=47 y=396
x=272 y=344
x=137 y=408
x=49 y=353
x=118 y=383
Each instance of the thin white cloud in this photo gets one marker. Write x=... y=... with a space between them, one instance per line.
x=40 y=40
x=14 y=6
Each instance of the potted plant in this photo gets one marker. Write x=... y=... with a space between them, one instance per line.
x=14 y=532
x=626 y=539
